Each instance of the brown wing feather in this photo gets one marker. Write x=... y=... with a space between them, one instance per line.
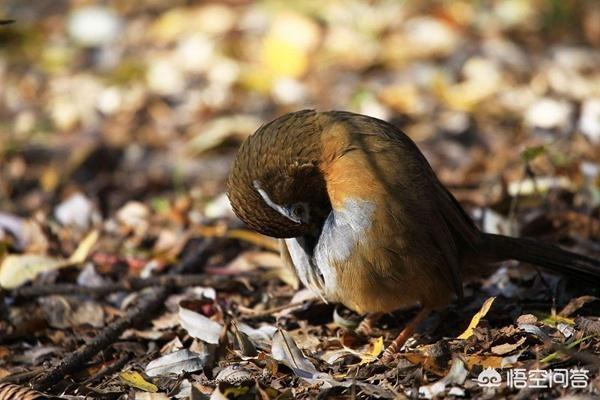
x=441 y=218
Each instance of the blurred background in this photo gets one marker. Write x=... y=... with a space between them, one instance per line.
x=105 y=102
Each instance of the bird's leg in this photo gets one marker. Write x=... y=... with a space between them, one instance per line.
x=396 y=345
x=365 y=328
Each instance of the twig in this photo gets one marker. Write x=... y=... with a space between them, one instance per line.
x=270 y=311
x=130 y=285
x=20 y=376
x=147 y=306
x=109 y=370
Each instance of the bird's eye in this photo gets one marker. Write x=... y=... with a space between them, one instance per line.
x=298 y=211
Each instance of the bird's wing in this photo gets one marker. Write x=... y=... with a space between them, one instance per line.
x=411 y=190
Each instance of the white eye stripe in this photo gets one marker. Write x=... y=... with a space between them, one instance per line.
x=265 y=196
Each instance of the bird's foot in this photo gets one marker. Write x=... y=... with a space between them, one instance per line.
x=390 y=352
x=367 y=325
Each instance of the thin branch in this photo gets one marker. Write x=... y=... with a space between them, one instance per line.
x=129 y=285
x=109 y=370
x=142 y=312
x=270 y=311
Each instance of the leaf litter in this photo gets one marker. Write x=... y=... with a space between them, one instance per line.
x=116 y=148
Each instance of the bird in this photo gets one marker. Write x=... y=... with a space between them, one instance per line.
x=363 y=219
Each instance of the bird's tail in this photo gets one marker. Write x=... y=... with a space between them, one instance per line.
x=545 y=255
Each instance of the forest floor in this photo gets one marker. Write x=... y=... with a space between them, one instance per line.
x=126 y=275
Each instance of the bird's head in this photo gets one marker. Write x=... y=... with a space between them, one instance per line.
x=276 y=185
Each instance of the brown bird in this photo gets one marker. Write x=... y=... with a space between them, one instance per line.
x=364 y=220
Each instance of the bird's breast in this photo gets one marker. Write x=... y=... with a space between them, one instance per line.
x=343 y=231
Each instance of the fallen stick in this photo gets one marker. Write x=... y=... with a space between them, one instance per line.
x=270 y=311
x=142 y=312
x=129 y=285
x=109 y=370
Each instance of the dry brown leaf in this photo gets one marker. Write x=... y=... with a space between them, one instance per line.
x=506 y=348
x=426 y=361
x=491 y=361
x=285 y=350
x=575 y=304
x=590 y=326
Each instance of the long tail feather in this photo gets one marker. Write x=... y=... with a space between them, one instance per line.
x=544 y=255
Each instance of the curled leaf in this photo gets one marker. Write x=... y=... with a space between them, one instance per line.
x=476 y=318
x=243 y=341
x=286 y=351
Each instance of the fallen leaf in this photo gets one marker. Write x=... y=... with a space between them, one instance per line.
x=534 y=330
x=151 y=396
x=16 y=270
x=590 y=326
x=432 y=358
x=136 y=380
x=87 y=312
x=456 y=376
x=285 y=350
x=234 y=375
x=199 y=326
x=375 y=349
x=175 y=363
x=506 y=348
x=246 y=346
x=476 y=318
x=575 y=304
x=490 y=361
x=367 y=354
x=553 y=320
x=36 y=354
x=262 y=336
x=527 y=319
x=226 y=391
x=84 y=248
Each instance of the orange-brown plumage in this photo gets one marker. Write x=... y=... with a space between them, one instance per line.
x=363 y=218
